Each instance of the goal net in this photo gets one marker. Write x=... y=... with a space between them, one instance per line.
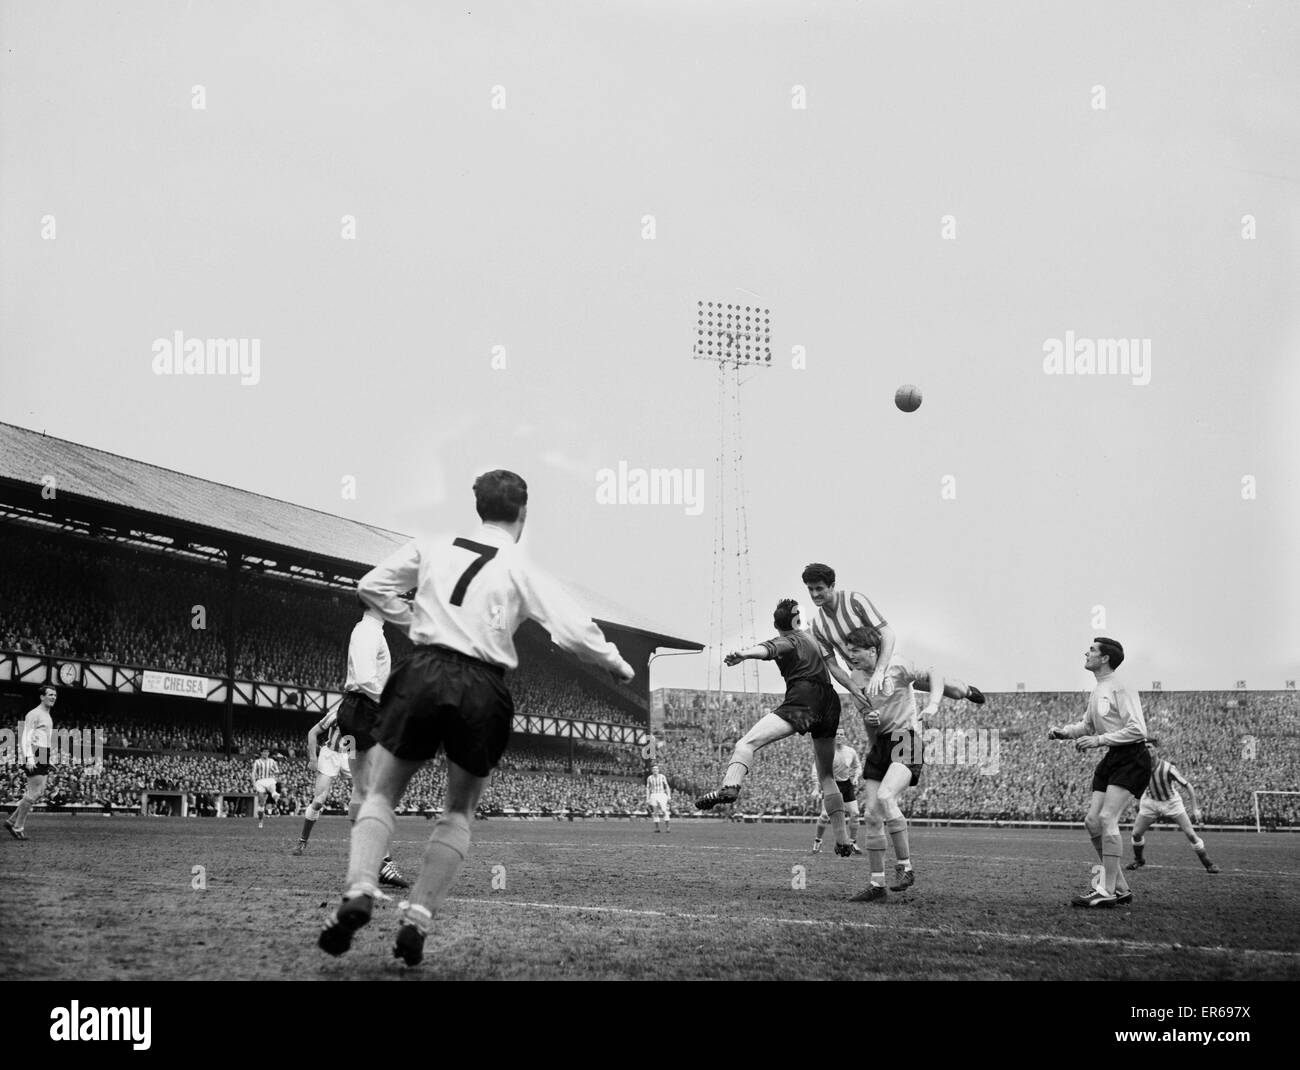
x=1276 y=810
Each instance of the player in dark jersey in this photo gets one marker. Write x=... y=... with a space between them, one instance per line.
x=811 y=706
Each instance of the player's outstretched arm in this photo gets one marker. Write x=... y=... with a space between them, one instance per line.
x=570 y=628
x=844 y=679
x=751 y=653
x=936 y=692
x=382 y=586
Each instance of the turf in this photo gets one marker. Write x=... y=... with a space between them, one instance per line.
x=112 y=898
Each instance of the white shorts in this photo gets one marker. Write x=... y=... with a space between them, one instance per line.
x=1174 y=808
x=659 y=803
x=331 y=763
x=266 y=785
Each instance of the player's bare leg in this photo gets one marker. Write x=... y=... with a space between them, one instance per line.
x=853 y=822
x=1198 y=845
x=17 y=822
x=873 y=814
x=768 y=729
x=1102 y=824
x=446 y=850
x=832 y=800
x=897 y=779
x=1138 y=839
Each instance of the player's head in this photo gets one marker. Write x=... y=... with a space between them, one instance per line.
x=786 y=618
x=820 y=581
x=48 y=694
x=654 y=768
x=501 y=497
x=841 y=738
x=1102 y=654
x=862 y=645
x=266 y=752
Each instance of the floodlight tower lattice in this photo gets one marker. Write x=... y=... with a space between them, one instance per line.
x=737 y=339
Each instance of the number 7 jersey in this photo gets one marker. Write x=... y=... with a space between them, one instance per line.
x=471 y=594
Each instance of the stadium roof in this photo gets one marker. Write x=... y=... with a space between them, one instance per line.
x=29 y=457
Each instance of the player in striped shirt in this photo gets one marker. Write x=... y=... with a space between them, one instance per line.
x=846 y=767
x=1114 y=720
x=838 y=613
x=657 y=795
x=265 y=770
x=38 y=735
x=330 y=760
x=1161 y=799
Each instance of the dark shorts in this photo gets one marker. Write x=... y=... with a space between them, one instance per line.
x=1127 y=766
x=811 y=707
x=358 y=715
x=439 y=698
x=902 y=747
x=41 y=769
x=848 y=790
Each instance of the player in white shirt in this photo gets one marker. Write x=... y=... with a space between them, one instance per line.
x=657 y=795
x=1161 y=799
x=38 y=736
x=895 y=756
x=846 y=767
x=265 y=771
x=331 y=759
x=472 y=593
x=1114 y=719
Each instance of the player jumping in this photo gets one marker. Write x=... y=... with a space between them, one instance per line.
x=811 y=706
x=471 y=596
x=38 y=734
x=839 y=612
x=1114 y=719
x=657 y=794
x=847 y=769
x=1161 y=799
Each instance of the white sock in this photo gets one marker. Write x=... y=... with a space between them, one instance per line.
x=878 y=878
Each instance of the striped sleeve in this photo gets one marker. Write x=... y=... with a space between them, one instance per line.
x=819 y=634
x=865 y=610
x=1175 y=775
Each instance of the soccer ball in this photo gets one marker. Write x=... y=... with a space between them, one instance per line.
x=908 y=398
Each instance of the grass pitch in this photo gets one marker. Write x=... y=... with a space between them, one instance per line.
x=94 y=898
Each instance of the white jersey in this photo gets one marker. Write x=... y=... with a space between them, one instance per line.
x=265 y=769
x=896 y=702
x=1114 y=714
x=38 y=734
x=369 y=662
x=472 y=593
x=846 y=766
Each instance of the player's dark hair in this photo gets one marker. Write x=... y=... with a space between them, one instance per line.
x=499 y=495
x=45 y=688
x=865 y=636
x=819 y=573
x=783 y=618
x=1111 y=648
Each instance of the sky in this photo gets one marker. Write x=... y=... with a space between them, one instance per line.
x=475 y=237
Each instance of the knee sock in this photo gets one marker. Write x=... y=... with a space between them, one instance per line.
x=821 y=826
x=875 y=842
x=833 y=801
x=1139 y=845
x=19 y=817
x=741 y=759
x=309 y=821
x=354 y=810
x=448 y=845
x=1111 y=850
x=370 y=836
x=897 y=829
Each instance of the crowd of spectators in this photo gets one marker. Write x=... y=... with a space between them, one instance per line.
x=1229 y=744
x=68 y=596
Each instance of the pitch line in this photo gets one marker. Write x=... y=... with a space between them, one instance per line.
x=911 y=930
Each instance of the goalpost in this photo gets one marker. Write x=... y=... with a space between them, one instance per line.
x=1255 y=797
